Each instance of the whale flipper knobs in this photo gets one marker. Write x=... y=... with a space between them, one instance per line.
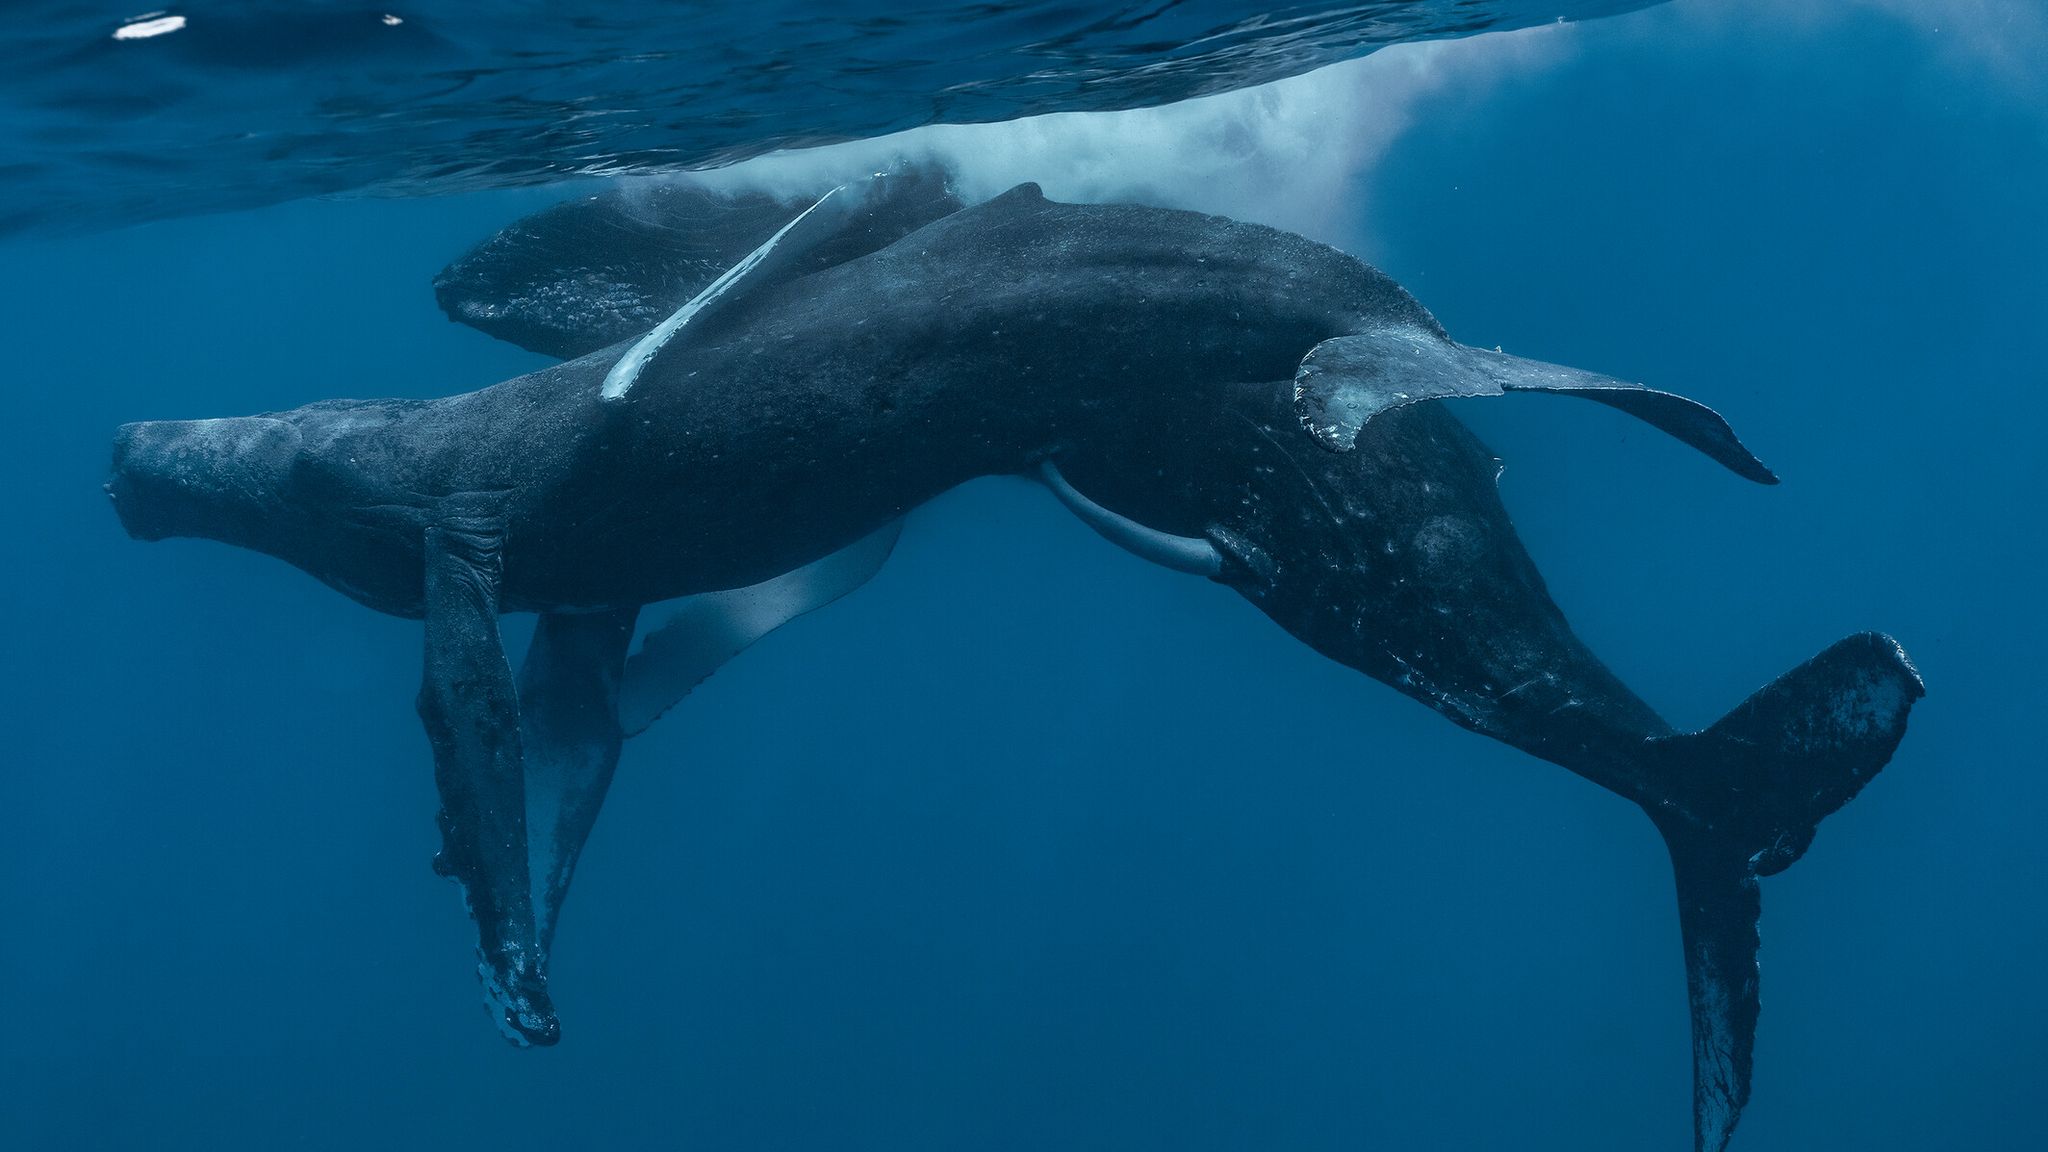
x=470 y=708
x=1344 y=382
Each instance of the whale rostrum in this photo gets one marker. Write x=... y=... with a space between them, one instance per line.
x=1220 y=398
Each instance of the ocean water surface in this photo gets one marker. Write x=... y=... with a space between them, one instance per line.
x=1026 y=844
x=227 y=103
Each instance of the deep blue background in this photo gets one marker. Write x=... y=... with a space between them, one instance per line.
x=1029 y=846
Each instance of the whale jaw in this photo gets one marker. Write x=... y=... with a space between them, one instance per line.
x=217 y=479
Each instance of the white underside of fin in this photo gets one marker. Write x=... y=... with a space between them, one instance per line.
x=810 y=227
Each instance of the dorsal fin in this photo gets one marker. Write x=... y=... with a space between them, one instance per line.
x=1346 y=381
x=590 y=272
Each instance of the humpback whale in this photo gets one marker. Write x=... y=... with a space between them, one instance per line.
x=1223 y=399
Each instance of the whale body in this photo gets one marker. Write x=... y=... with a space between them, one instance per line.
x=1222 y=398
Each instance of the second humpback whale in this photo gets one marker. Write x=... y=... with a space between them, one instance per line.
x=1222 y=398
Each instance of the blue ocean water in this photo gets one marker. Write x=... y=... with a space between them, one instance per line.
x=1027 y=845
x=213 y=104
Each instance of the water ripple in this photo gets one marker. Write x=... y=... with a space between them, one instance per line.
x=219 y=104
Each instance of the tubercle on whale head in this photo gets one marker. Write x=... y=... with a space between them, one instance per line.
x=219 y=479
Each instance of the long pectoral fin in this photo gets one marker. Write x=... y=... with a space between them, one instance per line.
x=769 y=264
x=570 y=736
x=471 y=712
x=1346 y=381
x=703 y=632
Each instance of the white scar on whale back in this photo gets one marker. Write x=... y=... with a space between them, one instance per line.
x=837 y=205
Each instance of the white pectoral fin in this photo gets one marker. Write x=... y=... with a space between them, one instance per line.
x=1188 y=554
x=764 y=265
x=703 y=632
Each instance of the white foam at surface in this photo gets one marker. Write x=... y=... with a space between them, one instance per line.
x=1290 y=154
x=144 y=27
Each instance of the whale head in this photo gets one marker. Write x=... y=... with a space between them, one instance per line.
x=220 y=480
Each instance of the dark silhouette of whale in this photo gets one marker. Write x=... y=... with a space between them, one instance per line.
x=1222 y=398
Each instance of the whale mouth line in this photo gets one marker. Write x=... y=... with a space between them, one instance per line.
x=221 y=479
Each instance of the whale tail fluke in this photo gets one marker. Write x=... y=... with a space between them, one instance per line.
x=1753 y=789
